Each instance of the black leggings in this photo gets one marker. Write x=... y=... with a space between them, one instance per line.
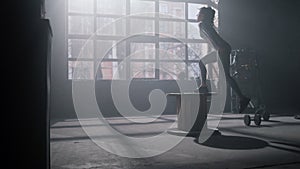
x=203 y=72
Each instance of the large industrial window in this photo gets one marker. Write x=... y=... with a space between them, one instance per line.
x=143 y=39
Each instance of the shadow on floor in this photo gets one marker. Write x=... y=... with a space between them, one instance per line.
x=233 y=142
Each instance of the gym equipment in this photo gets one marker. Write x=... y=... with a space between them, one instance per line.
x=260 y=113
x=256 y=119
x=191 y=120
x=244 y=68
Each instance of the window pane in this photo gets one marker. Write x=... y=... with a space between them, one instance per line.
x=172 y=70
x=142 y=8
x=142 y=70
x=193 y=31
x=142 y=26
x=83 y=70
x=193 y=10
x=102 y=17
x=197 y=50
x=172 y=51
x=110 y=70
x=117 y=7
x=142 y=51
x=216 y=21
x=215 y=1
x=81 y=6
x=80 y=48
x=110 y=26
x=110 y=49
x=171 y=9
x=173 y=29
x=80 y=25
x=193 y=70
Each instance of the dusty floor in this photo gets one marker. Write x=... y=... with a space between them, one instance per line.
x=275 y=144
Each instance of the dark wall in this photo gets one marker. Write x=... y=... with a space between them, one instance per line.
x=138 y=93
x=271 y=27
x=61 y=100
x=28 y=47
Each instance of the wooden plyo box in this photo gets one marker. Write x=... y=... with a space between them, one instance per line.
x=190 y=117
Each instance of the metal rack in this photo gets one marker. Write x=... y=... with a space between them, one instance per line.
x=244 y=68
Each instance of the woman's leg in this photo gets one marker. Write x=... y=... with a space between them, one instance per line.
x=203 y=73
x=209 y=58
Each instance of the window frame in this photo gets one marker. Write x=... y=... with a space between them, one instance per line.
x=155 y=39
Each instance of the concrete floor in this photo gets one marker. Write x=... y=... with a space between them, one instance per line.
x=275 y=144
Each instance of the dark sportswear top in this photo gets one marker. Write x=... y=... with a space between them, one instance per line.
x=208 y=32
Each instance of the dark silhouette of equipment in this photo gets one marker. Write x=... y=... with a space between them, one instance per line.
x=244 y=68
